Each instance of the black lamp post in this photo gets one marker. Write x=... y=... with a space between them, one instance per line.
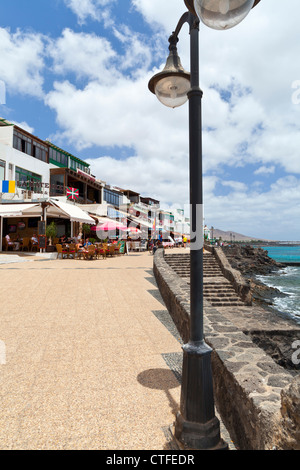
x=196 y=425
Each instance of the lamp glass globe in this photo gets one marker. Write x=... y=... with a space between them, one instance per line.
x=222 y=14
x=172 y=90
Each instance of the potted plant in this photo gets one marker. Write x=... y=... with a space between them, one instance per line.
x=86 y=230
x=51 y=232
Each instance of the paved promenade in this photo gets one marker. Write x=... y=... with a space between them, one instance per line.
x=89 y=356
x=88 y=351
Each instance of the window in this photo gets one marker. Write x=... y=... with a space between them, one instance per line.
x=22 y=143
x=111 y=197
x=56 y=185
x=27 y=180
x=2 y=170
x=10 y=171
x=74 y=164
x=27 y=145
x=58 y=158
x=39 y=151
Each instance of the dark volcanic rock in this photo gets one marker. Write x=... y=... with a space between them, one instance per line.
x=264 y=294
x=252 y=262
x=278 y=345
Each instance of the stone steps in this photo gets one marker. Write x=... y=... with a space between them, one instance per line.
x=217 y=290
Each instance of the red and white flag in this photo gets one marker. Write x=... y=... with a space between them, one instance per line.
x=72 y=193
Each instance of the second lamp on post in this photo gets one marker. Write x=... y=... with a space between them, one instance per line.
x=196 y=425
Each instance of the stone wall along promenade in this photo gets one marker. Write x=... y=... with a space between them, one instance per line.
x=241 y=286
x=258 y=400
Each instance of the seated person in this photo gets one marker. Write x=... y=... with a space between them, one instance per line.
x=77 y=238
x=87 y=243
x=9 y=241
x=34 y=239
x=78 y=242
x=17 y=242
x=156 y=245
x=63 y=239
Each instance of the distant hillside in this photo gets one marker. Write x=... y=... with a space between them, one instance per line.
x=233 y=236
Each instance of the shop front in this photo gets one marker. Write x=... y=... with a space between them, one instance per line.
x=21 y=221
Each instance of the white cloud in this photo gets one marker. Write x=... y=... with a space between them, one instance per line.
x=85 y=55
x=94 y=9
x=264 y=170
x=137 y=53
x=273 y=214
x=111 y=116
x=22 y=62
x=24 y=125
x=236 y=186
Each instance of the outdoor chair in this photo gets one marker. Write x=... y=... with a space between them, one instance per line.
x=25 y=244
x=120 y=247
x=90 y=253
x=111 y=250
x=33 y=246
x=101 y=250
x=116 y=248
x=6 y=245
x=143 y=245
x=72 y=250
x=61 y=251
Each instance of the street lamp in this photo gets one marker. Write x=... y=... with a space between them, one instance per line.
x=196 y=425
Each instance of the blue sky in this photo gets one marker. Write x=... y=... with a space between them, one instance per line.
x=77 y=71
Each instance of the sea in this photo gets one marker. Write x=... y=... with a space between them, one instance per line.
x=287 y=280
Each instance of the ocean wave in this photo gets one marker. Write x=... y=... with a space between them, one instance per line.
x=288 y=306
x=286 y=281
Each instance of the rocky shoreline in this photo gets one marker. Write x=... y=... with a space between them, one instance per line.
x=252 y=262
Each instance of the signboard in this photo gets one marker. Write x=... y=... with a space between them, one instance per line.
x=42 y=228
x=42 y=241
x=83 y=173
x=122 y=247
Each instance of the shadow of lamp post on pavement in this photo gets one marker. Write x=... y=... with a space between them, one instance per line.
x=196 y=425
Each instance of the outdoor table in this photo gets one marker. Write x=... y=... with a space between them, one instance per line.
x=66 y=248
x=16 y=245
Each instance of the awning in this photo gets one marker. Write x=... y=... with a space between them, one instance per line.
x=17 y=210
x=54 y=209
x=101 y=220
x=73 y=212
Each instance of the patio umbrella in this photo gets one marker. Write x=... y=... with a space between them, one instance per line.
x=111 y=225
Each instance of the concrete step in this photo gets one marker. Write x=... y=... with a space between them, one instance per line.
x=218 y=291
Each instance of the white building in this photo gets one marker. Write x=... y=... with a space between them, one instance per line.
x=44 y=174
x=40 y=184
x=23 y=158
